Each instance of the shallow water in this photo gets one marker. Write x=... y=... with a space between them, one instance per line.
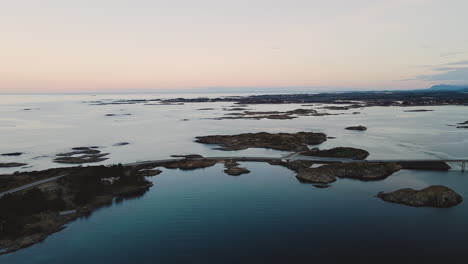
x=57 y=123
x=267 y=216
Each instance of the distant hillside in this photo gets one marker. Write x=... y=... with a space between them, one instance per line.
x=447 y=87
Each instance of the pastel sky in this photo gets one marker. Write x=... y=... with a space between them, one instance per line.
x=106 y=45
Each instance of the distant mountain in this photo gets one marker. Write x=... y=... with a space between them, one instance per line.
x=447 y=87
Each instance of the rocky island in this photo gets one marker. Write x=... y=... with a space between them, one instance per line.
x=279 y=141
x=365 y=171
x=340 y=152
x=432 y=196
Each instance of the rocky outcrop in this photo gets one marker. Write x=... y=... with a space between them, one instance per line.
x=432 y=196
x=91 y=158
x=11 y=164
x=188 y=156
x=80 y=151
x=149 y=172
x=340 y=152
x=236 y=109
x=275 y=114
x=295 y=165
x=81 y=155
x=463 y=124
x=118 y=114
x=236 y=171
x=365 y=171
x=190 y=164
x=120 y=144
x=421 y=165
x=343 y=107
x=280 y=141
x=321 y=186
x=233 y=169
x=313 y=175
x=358 y=128
x=418 y=110
x=12 y=154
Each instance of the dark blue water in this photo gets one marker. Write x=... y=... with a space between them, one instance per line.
x=205 y=216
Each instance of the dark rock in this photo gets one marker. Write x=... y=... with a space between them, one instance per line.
x=415 y=165
x=189 y=156
x=87 y=151
x=365 y=171
x=321 y=186
x=358 y=128
x=432 y=196
x=91 y=158
x=190 y=164
x=463 y=125
x=295 y=165
x=343 y=107
x=280 y=141
x=148 y=173
x=11 y=164
x=83 y=148
x=13 y=154
x=418 y=110
x=118 y=114
x=236 y=109
x=120 y=144
x=205 y=109
x=336 y=107
x=230 y=163
x=236 y=171
x=313 y=175
x=340 y=152
x=257 y=115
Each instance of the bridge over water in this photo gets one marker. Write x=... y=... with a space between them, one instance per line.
x=423 y=164
x=417 y=164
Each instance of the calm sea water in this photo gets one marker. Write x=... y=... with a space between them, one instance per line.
x=267 y=216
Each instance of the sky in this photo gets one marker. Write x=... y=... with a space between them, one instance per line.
x=129 y=45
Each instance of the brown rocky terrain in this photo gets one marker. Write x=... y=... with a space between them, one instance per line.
x=81 y=155
x=233 y=169
x=365 y=171
x=340 y=152
x=11 y=164
x=432 y=196
x=279 y=141
x=295 y=165
x=190 y=164
x=357 y=128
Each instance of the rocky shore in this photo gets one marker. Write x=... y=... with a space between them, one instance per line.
x=364 y=171
x=432 y=196
x=279 y=141
x=32 y=215
x=340 y=152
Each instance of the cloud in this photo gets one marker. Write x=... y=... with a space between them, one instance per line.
x=453 y=72
x=453 y=53
x=447 y=74
x=463 y=62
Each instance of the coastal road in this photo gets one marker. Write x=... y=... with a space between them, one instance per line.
x=255 y=159
x=34 y=184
